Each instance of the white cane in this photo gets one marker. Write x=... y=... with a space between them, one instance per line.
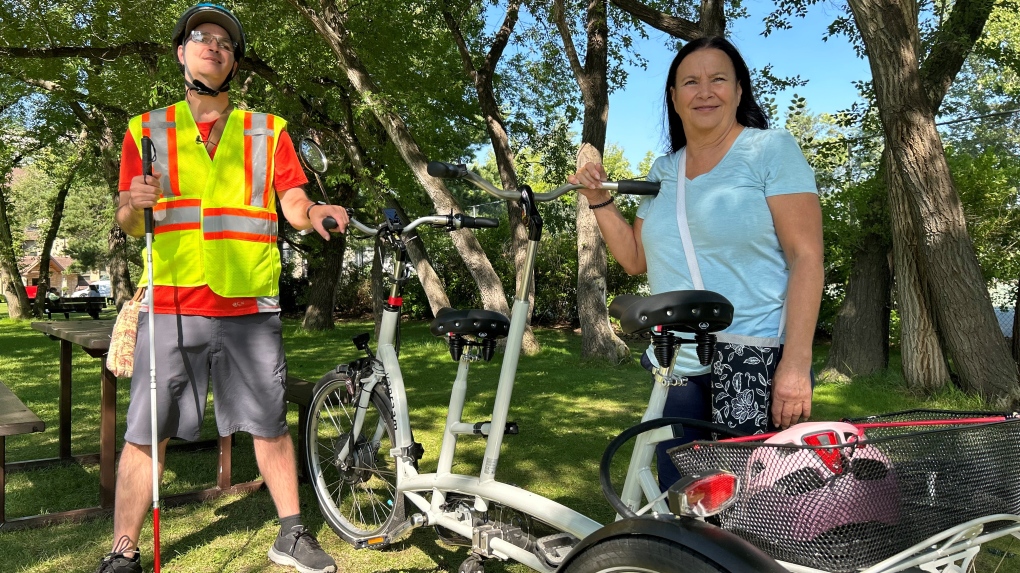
x=147 y=157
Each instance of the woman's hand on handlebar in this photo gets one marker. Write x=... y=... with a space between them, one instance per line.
x=591 y=175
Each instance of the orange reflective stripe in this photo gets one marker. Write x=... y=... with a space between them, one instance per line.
x=247 y=159
x=171 y=145
x=238 y=235
x=176 y=227
x=145 y=128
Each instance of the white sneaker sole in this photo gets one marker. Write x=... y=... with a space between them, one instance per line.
x=284 y=559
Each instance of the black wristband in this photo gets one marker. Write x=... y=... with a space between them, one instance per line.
x=308 y=211
x=602 y=204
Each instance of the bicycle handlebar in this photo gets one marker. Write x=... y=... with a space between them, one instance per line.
x=451 y=222
x=460 y=171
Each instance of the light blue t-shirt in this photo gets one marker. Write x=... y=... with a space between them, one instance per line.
x=732 y=231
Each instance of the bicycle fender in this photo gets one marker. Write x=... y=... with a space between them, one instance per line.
x=713 y=543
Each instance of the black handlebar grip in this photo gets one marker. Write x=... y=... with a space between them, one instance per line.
x=639 y=187
x=329 y=223
x=446 y=170
x=469 y=222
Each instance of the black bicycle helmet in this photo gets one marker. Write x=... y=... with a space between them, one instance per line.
x=207 y=12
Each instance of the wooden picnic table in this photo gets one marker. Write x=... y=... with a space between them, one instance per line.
x=93 y=337
x=15 y=419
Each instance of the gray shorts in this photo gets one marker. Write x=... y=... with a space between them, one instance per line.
x=243 y=355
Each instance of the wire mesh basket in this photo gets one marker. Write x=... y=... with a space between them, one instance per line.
x=840 y=508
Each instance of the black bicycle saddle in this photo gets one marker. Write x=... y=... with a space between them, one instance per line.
x=480 y=323
x=682 y=310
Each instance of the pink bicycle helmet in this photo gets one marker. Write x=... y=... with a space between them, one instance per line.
x=801 y=493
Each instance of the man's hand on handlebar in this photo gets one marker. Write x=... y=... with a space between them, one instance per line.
x=591 y=175
x=328 y=218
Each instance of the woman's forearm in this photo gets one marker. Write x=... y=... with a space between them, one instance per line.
x=804 y=296
x=622 y=239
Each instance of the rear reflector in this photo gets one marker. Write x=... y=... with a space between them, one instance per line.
x=702 y=495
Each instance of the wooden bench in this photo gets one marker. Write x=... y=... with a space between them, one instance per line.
x=300 y=392
x=85 y=305
x=15 y=419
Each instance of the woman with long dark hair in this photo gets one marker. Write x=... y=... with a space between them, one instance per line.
x=737 y=213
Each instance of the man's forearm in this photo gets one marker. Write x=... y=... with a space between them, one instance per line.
x=130 y=220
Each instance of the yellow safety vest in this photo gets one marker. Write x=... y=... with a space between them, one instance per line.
x=216 y=223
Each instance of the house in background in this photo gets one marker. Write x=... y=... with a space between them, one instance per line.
x=60 y=277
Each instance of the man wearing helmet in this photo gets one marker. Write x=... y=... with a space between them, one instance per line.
x=218 y=173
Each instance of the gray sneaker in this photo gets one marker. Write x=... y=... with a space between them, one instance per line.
x=115 y=562
x=300 y=549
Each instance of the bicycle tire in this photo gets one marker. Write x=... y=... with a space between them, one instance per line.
x=641 y=554
x=357 y=496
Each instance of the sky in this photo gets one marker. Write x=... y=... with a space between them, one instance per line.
x=635 y=112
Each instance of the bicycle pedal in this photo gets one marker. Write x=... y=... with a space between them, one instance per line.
x=399 y=533
x=553 y=549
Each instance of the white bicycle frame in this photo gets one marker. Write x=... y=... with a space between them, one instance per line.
x=947 y=551
x=428 y=492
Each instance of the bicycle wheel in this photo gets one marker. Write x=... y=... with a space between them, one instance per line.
x=640 y=554
x=358 y=492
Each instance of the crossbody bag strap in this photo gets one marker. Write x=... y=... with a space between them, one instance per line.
x=681 y=221
x=692 y=259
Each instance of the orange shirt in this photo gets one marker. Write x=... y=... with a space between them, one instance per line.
x=202 y=301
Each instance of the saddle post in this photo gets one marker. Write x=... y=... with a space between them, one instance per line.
x=512 y=354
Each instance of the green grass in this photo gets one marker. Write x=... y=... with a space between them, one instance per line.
x=567 y=411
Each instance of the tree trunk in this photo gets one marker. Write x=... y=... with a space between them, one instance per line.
x=51 y=235
x=329 y=23
x=323 y=273
x=326 y=266
x=961 y=304
x=924 y=364
x=860 y=335
x=105 y=147
x=481 y=77
x=117 y=266
x=597 y=337
x=18 y=306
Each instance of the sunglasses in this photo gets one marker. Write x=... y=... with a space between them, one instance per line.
x=209 y=39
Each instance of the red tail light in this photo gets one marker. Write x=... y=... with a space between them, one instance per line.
x=701 y=495
x=831 y=457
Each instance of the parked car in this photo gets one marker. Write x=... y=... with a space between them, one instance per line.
x=98 y=288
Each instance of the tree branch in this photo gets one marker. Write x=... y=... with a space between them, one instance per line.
x=503 y=36
x=672 y=25
x=559 y=16
x=953 y=41
x=75 y=96
x=458 y=38
x=101 y=53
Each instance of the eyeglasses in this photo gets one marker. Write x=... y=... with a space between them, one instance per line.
x=207 y=38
